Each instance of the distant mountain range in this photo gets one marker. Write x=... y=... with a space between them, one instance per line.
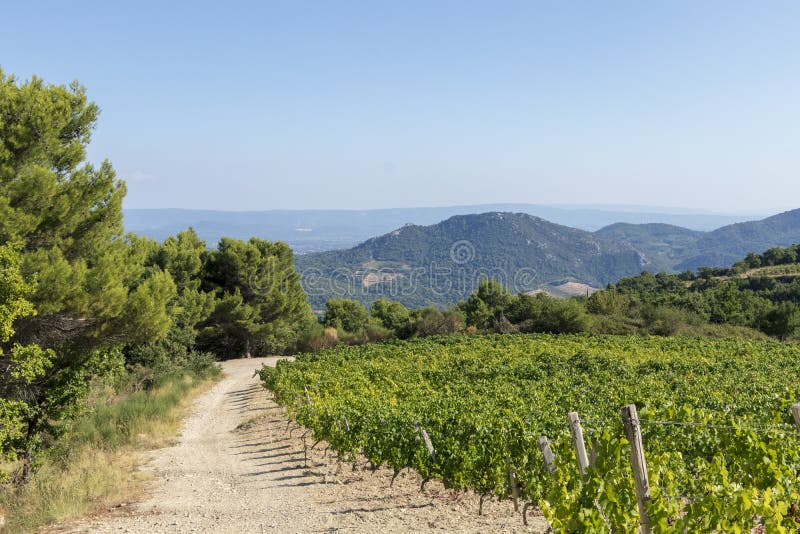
x=672 y=248
x=443 y=262
x=319 y=230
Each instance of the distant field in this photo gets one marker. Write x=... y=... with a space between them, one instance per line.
x=773 y=271
x=715 y=419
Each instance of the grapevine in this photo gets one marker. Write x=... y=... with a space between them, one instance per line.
x=722 y=450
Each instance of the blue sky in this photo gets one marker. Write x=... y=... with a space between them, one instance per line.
x=344 y=104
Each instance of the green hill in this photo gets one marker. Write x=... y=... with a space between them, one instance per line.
x=671 y=248
x=442 y=263
x=724 y=246
x=663 y=245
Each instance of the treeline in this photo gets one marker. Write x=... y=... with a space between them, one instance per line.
x=491 y=308
x=761 y=292
x=771 y=258
x=81 y=301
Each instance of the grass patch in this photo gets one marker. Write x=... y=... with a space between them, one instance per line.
x=92 y=467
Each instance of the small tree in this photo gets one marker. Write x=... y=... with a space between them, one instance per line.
x=781 y=321
x=392 y=315
x=541 y=313
x=608 y=302
x=261 y=307
x=346 y=314
x=486 y=306
x=430 y=321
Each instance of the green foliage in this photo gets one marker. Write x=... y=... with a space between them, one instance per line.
x=89 y=467
x=394 y=316
x=347 y=315
x=182 y=257
x=608 y=302
x=66 y=213
x=314 y=337
x=431 y=321
x=485 y=307
x=20 y=365
x=663 y=320
x=540 y=313
x=91 y=287
x=781 y=321
x=485 y=401
x=750 y=294
x=261 y=307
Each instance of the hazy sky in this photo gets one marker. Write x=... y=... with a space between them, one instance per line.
x=344 y=104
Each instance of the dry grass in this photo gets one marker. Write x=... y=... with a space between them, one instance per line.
x=94 y=467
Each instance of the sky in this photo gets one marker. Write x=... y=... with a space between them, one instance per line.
x=356 y=105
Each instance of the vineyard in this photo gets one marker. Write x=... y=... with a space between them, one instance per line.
x=721 y=446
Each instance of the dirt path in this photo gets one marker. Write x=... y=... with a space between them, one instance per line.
x=240 y=467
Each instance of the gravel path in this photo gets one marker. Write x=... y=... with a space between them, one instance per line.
x=240 y=466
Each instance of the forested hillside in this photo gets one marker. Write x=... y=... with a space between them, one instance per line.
x=439 y=264
x=442 y=263
x=673 y=249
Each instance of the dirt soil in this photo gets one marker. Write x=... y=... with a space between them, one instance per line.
x=240 y=466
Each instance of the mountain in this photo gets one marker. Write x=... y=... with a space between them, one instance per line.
x=724 y=246
x=441 y=263
x=663 y=245
x=317 y=230
x=444 y=262
x=672 y=248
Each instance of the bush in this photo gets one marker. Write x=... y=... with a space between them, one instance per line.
x=315 y=337
x=394 y=316
x=619 y=325
x=665 y=320
x=781 y=321
x=373 y=333
x=541 y=313
x=345 y=314
x=608 y=302
x=91 y=467
x=432 y=322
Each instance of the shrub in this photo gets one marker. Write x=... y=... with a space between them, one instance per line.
x=345 y=314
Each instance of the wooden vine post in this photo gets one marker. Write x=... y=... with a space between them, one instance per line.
x=577 y=440
x=428 y=444
x=796 y=415
x=512 y=483
x=547 y=452
x=308 y=401
x=633 y=430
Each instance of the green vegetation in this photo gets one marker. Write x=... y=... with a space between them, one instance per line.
x=21 y=365
x=81 y=303
x=93 y=466
x=344 y=314
x=440 y=264
x=261 y=306
x=673 y=249
x=760 y=292
x=752 y=299
x=484 y=401
x=86 y=308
